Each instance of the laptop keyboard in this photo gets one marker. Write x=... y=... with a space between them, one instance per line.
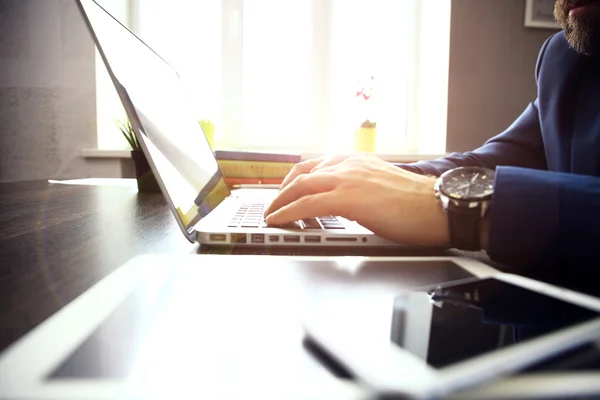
x=251 y=215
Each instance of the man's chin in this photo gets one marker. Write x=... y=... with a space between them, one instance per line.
x=583 y=42
x=580 y=25
x=583 y=33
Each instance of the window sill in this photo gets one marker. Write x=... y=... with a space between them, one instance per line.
x=395 y=158
x=104 y=153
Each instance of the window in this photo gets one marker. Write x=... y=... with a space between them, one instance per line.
x=108 y=105
x=280 y=75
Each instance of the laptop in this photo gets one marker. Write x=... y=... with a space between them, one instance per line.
x=184 y=165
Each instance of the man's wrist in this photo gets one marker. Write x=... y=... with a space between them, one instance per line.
x=484 y=232
x=442 y=233
x=442 y=230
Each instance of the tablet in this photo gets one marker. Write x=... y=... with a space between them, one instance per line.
x=205 y=326
x=436 y=341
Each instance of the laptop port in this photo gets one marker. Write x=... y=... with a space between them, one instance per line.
x=217 y=237
x=312 y=239
x=291 y=239
x=238 y=238
x=341 y=239
x=258 y=238
x=273 y=238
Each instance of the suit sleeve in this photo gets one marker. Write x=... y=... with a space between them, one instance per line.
x=541 y=219
x=520 y=145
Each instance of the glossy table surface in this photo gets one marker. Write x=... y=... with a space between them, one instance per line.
x=59 y=239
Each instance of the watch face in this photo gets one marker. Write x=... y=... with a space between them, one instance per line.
x=468 y=183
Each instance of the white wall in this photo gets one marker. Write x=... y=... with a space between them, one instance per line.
x=47 y=92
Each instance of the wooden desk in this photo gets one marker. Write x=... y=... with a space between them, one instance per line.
x=57 y=240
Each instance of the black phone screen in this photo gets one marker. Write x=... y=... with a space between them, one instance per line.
x=450 y=324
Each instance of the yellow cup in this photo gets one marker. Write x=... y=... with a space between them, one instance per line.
x=209 y=131
x=365 y=140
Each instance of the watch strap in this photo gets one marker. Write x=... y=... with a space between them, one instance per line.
x=463 y=224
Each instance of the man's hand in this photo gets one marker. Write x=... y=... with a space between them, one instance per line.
x=391 y=202
x=313 y=165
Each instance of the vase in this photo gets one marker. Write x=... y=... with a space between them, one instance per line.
x=209 y=131
x=146 y=181
x=365 y=138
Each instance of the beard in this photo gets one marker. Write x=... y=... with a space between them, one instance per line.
x=582 y=29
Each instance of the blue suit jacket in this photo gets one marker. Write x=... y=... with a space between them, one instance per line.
x=545 y=212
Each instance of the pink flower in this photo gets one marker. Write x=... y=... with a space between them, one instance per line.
x=366 y=91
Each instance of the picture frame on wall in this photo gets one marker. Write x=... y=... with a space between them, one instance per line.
x=540 y=14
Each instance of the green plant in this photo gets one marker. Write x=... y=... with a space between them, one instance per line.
x=127 y=131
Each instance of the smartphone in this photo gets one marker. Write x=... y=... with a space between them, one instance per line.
x=437 y=341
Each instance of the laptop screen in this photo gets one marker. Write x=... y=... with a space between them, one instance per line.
x=156 y=103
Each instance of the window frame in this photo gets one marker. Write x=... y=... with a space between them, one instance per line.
x=427 y=80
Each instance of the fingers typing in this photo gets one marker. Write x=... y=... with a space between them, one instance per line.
x=303 y=167
x=309 y=206
x=302 y=186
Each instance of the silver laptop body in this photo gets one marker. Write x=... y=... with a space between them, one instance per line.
x=181 y=158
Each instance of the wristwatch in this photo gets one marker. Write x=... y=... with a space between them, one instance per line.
x=466 y=195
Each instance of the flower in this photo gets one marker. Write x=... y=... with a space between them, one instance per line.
x=365 y=90
x=365 y=108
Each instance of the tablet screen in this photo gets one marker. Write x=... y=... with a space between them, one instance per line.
x=181 y=318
